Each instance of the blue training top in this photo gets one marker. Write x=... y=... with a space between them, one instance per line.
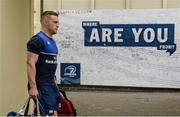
x=47 y=50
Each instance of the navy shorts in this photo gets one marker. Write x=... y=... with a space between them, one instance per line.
x=49 y=98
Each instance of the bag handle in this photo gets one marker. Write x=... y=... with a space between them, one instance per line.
x=37 y=105
x=25 y=108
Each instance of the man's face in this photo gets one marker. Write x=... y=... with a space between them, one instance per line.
x=52 y=24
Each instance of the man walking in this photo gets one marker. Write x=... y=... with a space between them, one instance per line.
x=42 y=62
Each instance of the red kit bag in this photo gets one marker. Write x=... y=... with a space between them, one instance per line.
x=67 y=107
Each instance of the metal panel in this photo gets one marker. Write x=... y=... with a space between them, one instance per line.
x=173 y=3
x=146 y=4
x=110 y=4
x=76 y=4
x=50 y=4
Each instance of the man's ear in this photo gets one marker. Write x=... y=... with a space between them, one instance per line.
x=45 y=21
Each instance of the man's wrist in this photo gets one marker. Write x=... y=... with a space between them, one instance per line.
x=33 y=87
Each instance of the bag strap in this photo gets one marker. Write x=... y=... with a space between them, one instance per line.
x=25 y=108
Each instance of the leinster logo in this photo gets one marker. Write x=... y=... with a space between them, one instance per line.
x=70 y=73
x=130 y=35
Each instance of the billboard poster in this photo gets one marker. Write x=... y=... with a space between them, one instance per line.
x=134 y=47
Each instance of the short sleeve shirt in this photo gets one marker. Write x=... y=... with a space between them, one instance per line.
x=46 y=64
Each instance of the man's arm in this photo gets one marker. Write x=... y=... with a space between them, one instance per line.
x=31 y=73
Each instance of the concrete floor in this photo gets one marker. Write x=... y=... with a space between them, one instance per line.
x=117 y=103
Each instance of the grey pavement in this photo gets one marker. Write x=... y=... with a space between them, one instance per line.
x=122 y=103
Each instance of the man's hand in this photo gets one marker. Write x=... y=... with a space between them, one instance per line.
x=33 y=93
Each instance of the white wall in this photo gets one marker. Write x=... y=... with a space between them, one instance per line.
x=0 y=55
x=15 y=31
x=36 y=16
